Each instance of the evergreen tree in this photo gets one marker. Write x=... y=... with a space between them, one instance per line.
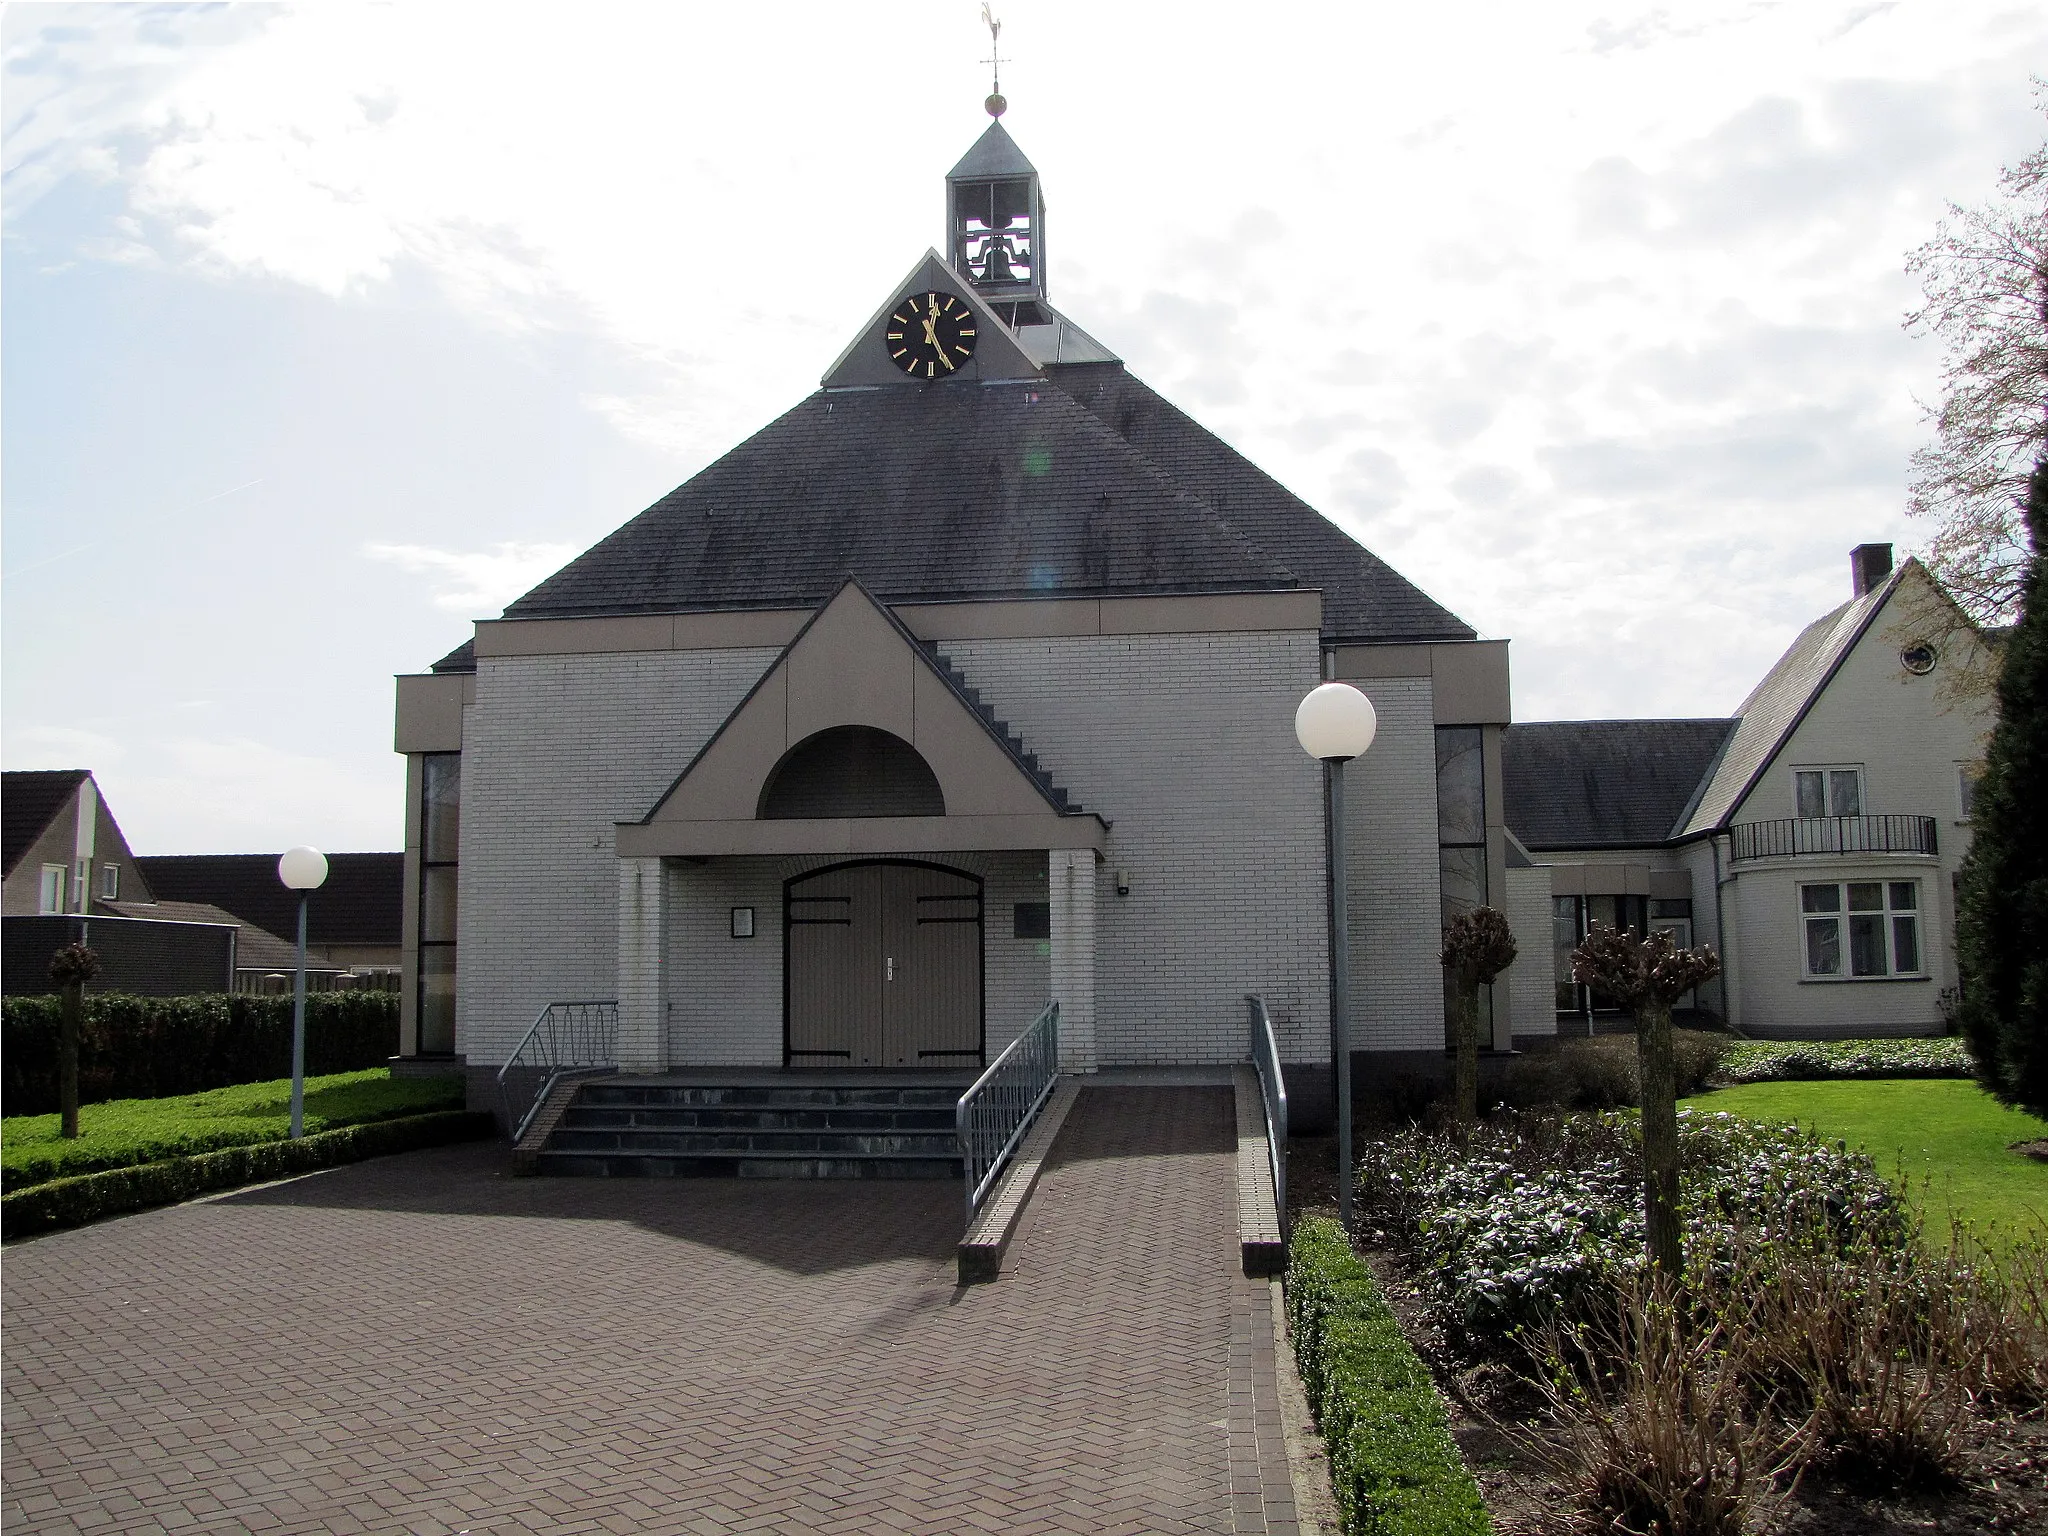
x=2002 y=906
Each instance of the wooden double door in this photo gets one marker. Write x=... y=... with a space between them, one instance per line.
x=882 y=967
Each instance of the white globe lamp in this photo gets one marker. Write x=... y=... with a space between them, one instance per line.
x=303 y=870
x=1335 y=723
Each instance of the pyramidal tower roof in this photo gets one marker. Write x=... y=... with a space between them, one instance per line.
x=995 y=153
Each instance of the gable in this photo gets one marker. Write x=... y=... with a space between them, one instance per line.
x=29 y=802
x=855 y=665
x=997 y=356
x=1869 y=712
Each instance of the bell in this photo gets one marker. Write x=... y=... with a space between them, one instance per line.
x=995 y=266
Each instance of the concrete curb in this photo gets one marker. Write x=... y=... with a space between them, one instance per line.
x=1262 y=1249
x=981 y=1251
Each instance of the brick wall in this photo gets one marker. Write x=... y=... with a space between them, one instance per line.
x=555 y=750
x=1532 y=979
x=1186 y=744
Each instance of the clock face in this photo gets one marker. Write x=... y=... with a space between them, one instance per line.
x=930 y=335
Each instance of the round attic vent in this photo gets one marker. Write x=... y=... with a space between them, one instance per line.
x=1917 y=659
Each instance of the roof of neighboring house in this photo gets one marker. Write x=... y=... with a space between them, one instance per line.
x=1604 y=783
x=256 y=949
x=27 y=802
x=461 y=659
x=1778 y=703
x=361 y=903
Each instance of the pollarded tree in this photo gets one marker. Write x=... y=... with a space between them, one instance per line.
x=1478 y=946
x=2002 y=892
x=1648 y=975
x=71 y=968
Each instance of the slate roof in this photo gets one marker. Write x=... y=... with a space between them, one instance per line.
x=361 y=903
x=1570 y=784
x=995 y=153
x=27 y=802
x=1780 y=701
x=461 y=659
x=957 y=490
x=1364 y=598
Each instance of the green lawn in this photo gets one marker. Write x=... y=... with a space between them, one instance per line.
x=1949 y=1139
x=123 y=1132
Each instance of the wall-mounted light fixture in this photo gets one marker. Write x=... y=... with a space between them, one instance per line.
x=1123 y=882
x=743 y=922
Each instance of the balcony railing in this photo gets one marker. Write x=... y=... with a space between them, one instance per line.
x=1833 y=834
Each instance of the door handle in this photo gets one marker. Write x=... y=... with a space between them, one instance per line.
x=889 y=969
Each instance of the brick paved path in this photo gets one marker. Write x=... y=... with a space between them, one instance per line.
x=423 y=1344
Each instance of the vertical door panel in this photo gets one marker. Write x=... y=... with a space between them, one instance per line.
x=835 y=969
x=932 y=934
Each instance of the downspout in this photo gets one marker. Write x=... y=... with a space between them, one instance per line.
x=1721 y=932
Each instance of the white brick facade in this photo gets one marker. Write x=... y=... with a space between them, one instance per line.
x=1397 y=987
x=555 y=750
x=1186 y=744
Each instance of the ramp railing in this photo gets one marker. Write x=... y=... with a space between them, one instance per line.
x=993 y=1116
x=1265 y=1051
x=567 y=1039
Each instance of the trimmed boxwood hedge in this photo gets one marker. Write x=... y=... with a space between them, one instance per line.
x=1393 y=1466
x=89 y=1197
x=155 y=1047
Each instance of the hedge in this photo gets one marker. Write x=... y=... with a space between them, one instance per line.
x=155 y=1047
x=1393 y=1465
x=91 y=1196
x=1781 y=1061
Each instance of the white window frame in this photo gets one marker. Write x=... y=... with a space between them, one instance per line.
x=1892 y=917
x=1967 y=775
x=1827 y=771
x=110 y=882
x=47 y=904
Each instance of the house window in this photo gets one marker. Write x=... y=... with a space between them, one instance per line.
x=1572 y=919
x=1827 y=792
x=110 y=882
x=1031 y=920
x=51 y=898
x=1861 y=928
x=440 y=842
x=1967 y=775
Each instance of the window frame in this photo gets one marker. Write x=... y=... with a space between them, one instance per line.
x=1893 y=919
x=44 y=907
x=1827 y=771
x=1967 y=777
x=434 y=954
x=110 y=882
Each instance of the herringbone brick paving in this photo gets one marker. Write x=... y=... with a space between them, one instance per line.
x=425 y=1344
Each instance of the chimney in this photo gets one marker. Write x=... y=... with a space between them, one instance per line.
x=1869 y=564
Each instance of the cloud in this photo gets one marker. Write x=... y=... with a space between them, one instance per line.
x=476 y=583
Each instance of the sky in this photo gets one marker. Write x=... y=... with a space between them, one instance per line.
x=326 y=330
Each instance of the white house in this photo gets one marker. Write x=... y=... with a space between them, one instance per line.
x=1812 y=839
x=965 y=685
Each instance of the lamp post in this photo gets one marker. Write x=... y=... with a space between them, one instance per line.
x=303 y=870
x=1334 y=724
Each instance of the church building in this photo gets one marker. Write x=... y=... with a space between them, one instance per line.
x=965 y=686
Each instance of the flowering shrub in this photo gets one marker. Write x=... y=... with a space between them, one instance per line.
x=1772 y=1061
x=1533 y=1217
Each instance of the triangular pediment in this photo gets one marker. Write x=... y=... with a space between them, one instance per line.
x=855 y=664
x=997 y=356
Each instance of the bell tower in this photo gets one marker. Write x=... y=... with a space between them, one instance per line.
x=995 y=216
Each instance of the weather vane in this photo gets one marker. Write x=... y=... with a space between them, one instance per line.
x=995 y=103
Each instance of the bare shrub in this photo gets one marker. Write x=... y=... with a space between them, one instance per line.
x=1660 y=1430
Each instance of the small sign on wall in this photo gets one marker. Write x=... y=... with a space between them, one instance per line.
x=743 y=922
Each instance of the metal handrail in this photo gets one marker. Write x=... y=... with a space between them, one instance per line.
x=566 y=1038
x=993 y=1116
x=1833 y=834
x=1273 y=1089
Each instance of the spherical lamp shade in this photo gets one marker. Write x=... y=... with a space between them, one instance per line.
x=302 y=869
x=1335 y=721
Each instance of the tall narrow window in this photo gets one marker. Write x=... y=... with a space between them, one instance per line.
x=440 y=844
x=1461 y=841
x=110 y=882
x=51 y=896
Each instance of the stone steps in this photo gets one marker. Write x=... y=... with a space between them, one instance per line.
x=755 y=1130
